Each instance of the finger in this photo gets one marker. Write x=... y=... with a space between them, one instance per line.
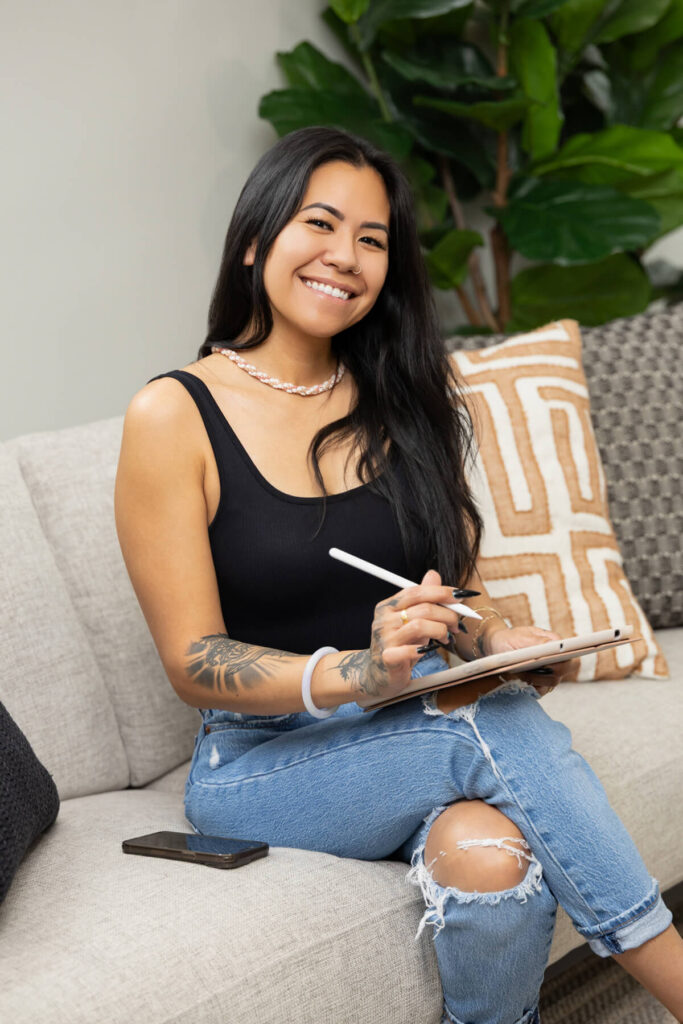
x=422 y=592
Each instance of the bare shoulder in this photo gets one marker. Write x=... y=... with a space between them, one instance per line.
x=165 y=402
x=162 y=419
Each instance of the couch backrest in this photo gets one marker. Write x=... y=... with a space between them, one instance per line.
x=81 y=674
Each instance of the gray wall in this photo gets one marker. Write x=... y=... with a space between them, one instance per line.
x=128 y=130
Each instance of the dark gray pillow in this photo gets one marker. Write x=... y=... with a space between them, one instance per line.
x=29 y=802
x=633 y=367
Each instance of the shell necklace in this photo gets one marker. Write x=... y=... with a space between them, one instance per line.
x=273 y=382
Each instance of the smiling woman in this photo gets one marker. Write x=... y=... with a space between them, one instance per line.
x=324 y=285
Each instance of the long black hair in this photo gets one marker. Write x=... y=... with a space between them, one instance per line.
x=408 y=391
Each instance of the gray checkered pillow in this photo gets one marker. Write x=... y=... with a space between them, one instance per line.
x=635 y=379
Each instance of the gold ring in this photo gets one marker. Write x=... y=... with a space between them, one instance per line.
x=404 y=615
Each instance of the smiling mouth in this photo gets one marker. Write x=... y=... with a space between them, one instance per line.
x=326 y=295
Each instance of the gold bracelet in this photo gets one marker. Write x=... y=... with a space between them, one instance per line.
x=476 y=646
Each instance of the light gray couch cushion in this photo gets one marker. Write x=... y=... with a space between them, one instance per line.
x=50 y=681
x=70 y=474
x=289 y=937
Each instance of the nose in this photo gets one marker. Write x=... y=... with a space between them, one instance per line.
x=343 y=255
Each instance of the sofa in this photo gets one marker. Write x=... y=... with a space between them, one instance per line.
x=91 y=935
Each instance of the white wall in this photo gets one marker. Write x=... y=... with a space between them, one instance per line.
x=128 y=131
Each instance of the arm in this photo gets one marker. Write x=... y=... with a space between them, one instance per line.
x=161 y=522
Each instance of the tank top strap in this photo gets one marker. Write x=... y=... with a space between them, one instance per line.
x=214 y=423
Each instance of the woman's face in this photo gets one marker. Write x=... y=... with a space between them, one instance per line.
x=318 y=245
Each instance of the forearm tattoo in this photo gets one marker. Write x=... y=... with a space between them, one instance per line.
x=221 y=665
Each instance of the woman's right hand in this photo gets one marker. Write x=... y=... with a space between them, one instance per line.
x=393 y=651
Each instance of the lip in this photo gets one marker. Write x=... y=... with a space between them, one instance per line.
x=333 y=284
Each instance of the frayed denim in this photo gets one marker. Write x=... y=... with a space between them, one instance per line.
x=370 y=786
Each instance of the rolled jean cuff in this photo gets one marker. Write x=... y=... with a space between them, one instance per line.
x=530 y=1017
x=631 y=929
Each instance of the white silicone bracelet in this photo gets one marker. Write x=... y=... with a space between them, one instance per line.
x=306 y=684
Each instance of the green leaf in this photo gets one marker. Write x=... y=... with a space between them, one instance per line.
x=570 y=223
x=571 y=24
x=305 y=66
x=431 y=202
x=613 y=155
x=630 y=17
x=446 y=64
x=381 y=11
x=592 y=294
x=349 y=10
x=451 y=23
x=536 y=8
x=644 y=48
x=532 y=57
x=447 y=262
x=664 y=101
x=499 y=115
x=664 y=192
x=289 y=109
x=435 y=134
x=433 y=130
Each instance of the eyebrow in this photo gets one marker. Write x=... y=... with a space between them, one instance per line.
x=340 y=216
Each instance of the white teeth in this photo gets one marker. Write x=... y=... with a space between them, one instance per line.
x=337 y=292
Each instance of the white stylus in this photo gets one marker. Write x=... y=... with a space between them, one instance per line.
x=392 y=577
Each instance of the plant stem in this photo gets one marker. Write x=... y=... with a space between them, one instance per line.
x=470 y=311
x=473 y=259
x=371 y=73
x=499 y=243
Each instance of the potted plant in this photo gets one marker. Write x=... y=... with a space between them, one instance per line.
x=560 y=117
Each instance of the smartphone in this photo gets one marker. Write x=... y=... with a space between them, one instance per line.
x=216 y=851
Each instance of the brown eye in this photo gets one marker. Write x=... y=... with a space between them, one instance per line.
x=325 y=223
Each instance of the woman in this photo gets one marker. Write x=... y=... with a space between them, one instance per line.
x=223 y=521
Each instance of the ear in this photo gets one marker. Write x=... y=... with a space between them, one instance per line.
x=250 y=254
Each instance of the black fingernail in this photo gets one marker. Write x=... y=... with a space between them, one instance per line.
x=461 y=592
x=544 y=670
x=431 y=646
x=462 y=627
x=450 y=646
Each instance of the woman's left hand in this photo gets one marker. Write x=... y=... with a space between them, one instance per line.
x=504 y=639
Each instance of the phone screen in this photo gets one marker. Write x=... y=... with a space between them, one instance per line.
x=181 y=841
x=198 y=844
x=216 y=851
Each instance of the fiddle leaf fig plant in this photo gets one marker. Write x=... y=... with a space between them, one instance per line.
x=558 y=118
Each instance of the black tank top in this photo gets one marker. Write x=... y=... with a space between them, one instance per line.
x=278 y=585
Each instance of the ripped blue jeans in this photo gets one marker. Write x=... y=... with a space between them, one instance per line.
x=369 y=785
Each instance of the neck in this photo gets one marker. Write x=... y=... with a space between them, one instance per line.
x=299 y=363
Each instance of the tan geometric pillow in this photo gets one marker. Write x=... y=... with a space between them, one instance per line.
x=549 y=556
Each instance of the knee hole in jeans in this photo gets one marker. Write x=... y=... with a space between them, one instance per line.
x=474 y=846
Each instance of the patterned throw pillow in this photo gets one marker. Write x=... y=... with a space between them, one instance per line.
x=549 y=556
x=634 y=369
